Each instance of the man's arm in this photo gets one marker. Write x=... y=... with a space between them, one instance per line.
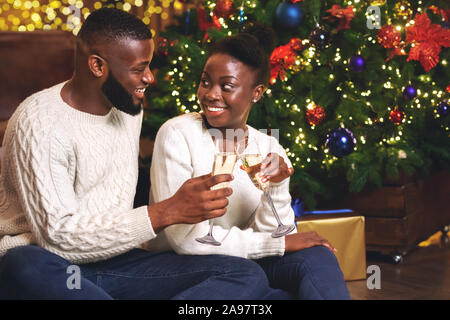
x=40 y=160
x=192 y=203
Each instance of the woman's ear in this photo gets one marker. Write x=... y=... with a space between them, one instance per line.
x=258 y=92
x=97 y=65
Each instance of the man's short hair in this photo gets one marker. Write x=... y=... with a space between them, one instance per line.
x=112 y=25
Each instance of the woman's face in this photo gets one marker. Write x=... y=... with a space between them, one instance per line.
x=227 y=91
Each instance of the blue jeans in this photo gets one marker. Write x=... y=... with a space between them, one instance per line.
x=309 y=274
x=30 y=272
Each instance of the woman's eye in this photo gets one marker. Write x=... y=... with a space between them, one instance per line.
x=204 y=82
x=227 y=86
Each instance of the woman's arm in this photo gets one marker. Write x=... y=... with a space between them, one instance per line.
x=171 y=166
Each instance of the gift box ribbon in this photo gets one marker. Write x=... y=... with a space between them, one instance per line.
x=297 y=206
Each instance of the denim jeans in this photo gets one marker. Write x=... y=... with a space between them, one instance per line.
x=30 y=272
x=308 y=274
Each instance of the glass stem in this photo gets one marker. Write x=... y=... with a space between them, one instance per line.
x=269 y=200
x=211 y=224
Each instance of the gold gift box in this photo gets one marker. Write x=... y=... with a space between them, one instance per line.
x=346 y=234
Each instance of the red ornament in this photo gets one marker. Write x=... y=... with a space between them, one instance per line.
x=315 y=114
x=448 y=88
x=396 y=116
x=388 y=36
x=224 y=8
x=427 y=39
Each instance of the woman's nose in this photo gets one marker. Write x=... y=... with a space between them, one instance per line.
x=213 y=93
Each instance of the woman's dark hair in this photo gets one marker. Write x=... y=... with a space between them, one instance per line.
x=252 y=46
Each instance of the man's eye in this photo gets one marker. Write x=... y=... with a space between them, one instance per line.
x=204 y=82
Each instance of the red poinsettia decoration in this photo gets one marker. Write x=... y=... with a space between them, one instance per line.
x=282 y=58
x=445 y=14
x=426 y=39
x=204 y=24
x=344 y=16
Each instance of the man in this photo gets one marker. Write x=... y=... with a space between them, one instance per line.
x=69 y=173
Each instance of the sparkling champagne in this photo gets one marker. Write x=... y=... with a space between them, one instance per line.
x=223 y=164
x=252 y=165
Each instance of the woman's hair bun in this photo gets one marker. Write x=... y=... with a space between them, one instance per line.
x=263 y=33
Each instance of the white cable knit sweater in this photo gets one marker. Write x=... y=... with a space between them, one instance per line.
x=68 y=180
x=184 y=149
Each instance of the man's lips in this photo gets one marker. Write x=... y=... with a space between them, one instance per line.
x=140 y=93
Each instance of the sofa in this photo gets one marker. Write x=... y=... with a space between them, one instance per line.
x=31 y=61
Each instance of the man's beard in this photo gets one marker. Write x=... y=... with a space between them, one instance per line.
x=119 y=97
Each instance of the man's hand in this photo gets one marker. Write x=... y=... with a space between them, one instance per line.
x=303 y=240
x=192 y=203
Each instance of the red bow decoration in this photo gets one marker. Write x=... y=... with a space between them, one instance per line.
x=344 y=16
x=282 y=58
x=204 y=24
x=426 y=39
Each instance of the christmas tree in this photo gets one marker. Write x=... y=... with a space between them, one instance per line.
x=359 y=89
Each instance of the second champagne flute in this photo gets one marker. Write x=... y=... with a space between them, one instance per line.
x=251 y=158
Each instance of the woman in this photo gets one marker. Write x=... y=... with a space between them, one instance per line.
x=235 y=76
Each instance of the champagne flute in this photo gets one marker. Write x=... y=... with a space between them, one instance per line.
x=251 y=159
x=224 y=161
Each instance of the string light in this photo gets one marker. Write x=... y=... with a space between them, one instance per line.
x=67 y=15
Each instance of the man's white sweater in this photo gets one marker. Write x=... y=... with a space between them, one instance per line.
x=184 y=149
x=68 y=180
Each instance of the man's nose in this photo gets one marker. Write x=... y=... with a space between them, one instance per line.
x=148 y=77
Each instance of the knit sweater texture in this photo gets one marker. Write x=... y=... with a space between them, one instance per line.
x=68 y=180
x=184 y=149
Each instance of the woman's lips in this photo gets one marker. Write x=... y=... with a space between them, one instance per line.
x=215 y=110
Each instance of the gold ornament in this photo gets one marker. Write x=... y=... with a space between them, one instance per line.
x=402 y=10
x=378 y=2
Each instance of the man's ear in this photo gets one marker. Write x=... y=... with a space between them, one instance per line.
x=258 y=92
x=97 y=65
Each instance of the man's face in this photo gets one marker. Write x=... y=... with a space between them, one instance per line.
x=129 y=74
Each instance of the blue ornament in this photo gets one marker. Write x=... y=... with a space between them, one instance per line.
x=357 y=63
x=442 y=109
x=289 y=15
x=341 y=142
x=410 y=92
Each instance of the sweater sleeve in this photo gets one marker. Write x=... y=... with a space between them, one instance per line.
x=171 y=167
x=42 y=166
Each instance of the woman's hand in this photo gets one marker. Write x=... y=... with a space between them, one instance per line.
x=303 y=240
x=274 y=168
